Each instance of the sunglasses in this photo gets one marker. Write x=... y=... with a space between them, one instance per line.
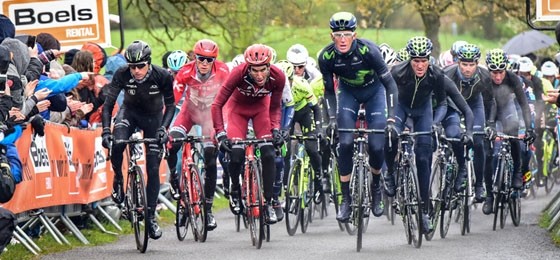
x=207 y=59
x=340 y=35
x=137 y=65
x=501 y=66
x=299 y=66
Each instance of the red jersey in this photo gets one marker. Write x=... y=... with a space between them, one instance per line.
x=243 y=94
x=200 y=93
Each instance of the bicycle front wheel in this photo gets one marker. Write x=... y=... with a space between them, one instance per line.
x=255 y=206
x=292 y=198
x=336 y=195
x=515 y=210
x=139 y=210
x=448 y=205
x=437 y=185
x=182 y=214
x=414 y=209
x=198 y=214
x=306 y=212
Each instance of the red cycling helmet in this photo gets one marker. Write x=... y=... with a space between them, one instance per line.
x=206 y=48
x=258 y=54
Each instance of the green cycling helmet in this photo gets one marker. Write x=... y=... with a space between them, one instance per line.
x=469 y=53
x=402 y=55
x=419 y=47
x=496 y=59
x=287 y=67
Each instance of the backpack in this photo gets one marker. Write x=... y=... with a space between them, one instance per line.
x=7 y=181
x=7 y=226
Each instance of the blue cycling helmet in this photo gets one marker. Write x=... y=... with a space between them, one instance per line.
x=343 y=21
x=176 y=60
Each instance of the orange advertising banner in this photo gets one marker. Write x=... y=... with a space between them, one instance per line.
x=548 y=10
x=66 y=166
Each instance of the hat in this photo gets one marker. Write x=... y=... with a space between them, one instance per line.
x=113 y=64
x=58 y=103
x=7 y=28
x=99 y=55
x=69 y=56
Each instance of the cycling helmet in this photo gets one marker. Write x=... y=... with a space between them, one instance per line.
x=237 y=60
x=138 y=51
x=176 y=60
x=549 y=69
x=311 y=62
x=297 y=54
x=445 y=59
x=287 y=67
x=402 y=55
x=343 y=21
x=389 y=55
x=206 y=48
x=258 y=54
x=455 y=48
x=525 y=64
x=496 y=59
x=419 y=47
x=273 y=55
x=468 y=53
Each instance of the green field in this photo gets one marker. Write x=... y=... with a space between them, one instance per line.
x=282 y=38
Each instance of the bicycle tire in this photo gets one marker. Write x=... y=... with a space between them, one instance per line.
x=447 y=205
x=549 y=180
x=467 y=199
x=498 y=186
x=367 y=201
x=352 y=224
x=293 y=199
x=182 y=213
x=256 y=191
x=414 y=213
x=400 y=196
x=140 y=207
x=336 y=195
x=199 y=219
x=515 y=210
x=306 y=212
x=359 y=203
x=436 y=187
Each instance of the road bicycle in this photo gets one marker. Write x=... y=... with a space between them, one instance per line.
x=253 y=202
x=300 y=189
x=334 y=194
x=359 y=181
x=466 y=198
x=506 y=199
x=135 y=207
x=444 y=169
x=191 y=208
x=407 y=202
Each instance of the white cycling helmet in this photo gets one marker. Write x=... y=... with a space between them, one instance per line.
x=549 y=69
x=273 y=54
x=389 y=55
x=445 y=59
x=525 y=64
x=297 y=54
x=238 y=60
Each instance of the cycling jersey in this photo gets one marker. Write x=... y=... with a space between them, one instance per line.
x=245 y=98
x=360 y=67
x=302 y=94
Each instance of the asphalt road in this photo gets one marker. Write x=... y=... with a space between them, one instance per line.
x=324 y=240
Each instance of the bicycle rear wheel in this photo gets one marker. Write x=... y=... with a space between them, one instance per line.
x=137 y=192
x=436 y=193
x=182 y=214
x=515 y=210
x=464 y=210
x=293 y=199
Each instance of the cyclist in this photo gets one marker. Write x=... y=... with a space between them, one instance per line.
x=176 y=60
x=474 y=83
x=201 y=79
x=417 y=80
x=298 y=56
x=253 y=92
x=507 y=87
x=148 y=90
x=363 y=78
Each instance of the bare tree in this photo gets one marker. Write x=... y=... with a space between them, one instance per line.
x=430 y=12
x=375 y=12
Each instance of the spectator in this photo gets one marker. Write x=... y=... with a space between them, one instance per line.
x=48 y=41
x=113 y=64
x=69 y=56
x=7 y=28
x=99 y=55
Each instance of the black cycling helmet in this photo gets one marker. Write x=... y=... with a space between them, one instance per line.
x=343 y=21
x=138 y=51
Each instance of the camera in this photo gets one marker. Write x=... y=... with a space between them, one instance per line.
x=3 y=81
x=29 y=40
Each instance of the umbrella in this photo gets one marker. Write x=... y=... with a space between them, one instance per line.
x=527 y=42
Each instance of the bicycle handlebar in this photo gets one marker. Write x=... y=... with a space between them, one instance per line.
x=191 y=139
x=252 y=141
x=361 y=130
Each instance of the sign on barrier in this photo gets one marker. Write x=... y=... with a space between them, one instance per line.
x=64 y=167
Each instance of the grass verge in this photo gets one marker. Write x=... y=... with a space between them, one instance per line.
x=554 y=234
x=95 y=236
